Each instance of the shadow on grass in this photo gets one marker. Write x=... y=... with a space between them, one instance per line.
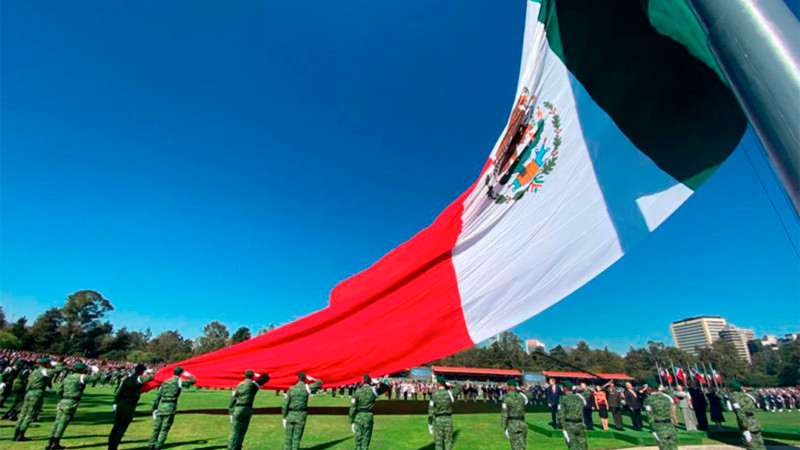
x=328 y=444
x=212 y=447
x=432 y=445
x=102 y=444
x=173 y=444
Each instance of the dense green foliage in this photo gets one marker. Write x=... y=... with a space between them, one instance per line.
x=79 y=329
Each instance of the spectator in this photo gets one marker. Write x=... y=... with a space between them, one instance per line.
x=715 y=407
x=614 y=398
x=685 y=406
x=634 y=405
x=601 y=404
x=554 y=394
x=699 y=404
x=588 y=404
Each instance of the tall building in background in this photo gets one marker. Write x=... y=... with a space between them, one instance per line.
x=694 y=332
x=532 y=344
x=739 y=337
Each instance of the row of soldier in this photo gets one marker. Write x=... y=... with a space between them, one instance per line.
x=34 y=382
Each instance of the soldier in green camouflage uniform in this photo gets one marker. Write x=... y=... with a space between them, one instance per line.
x=38 y=381
x=360 y=414
x=240 y=407
x=293 y=410
x=658 y=406
x=570 y=417
x=18 y=392
x=126 y=397
x=69 y=393
x=7 y=380
x=440 y=416
x=744 y=407
x=513 y=417
x=165 y=404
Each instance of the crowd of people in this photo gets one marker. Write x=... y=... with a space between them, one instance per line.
x=27 y=375
x=779 y=399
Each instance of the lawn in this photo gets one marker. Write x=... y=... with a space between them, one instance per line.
x=203 y=424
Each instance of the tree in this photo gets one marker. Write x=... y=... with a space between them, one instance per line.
x=170 y=346
x=9 y=341
x=83 y=329
x=3 y=322
x=264 y=330
x=790 y=371
x=724 y=358
x=45 y=335
x=215 y=336
x=20 y=330
x=241 y=335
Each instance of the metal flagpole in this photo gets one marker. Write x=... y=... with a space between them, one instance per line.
x=757 y=46
x=658 y=372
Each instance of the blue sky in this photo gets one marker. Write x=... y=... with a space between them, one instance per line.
x=195 y=162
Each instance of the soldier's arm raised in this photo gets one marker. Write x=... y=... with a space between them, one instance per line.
x=316 y=385
x=188 y=383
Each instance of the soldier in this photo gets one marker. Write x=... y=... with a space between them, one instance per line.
x=164 y=405
x=744 y=407
x=7 y=380
x=70 y=392
x=18 y=391
x=659 y=415
x=293 y=410
x=38 y=381
x=126 y=397
x=440 y=415
x=513 y=416
x=240 y=407
x=570 y=417
x=361 y=418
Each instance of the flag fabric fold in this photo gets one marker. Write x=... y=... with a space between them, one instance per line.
x=613 y=127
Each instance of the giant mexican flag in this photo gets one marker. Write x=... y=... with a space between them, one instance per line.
x=620 y=114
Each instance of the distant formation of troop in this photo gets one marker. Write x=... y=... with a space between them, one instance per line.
x=25 y=384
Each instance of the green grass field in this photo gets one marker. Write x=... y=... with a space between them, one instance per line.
x=199 y=426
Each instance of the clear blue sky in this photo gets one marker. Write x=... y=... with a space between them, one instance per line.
x=194 y=161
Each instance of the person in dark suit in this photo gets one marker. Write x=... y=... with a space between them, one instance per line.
x=554 y=394
x=634 y=406
x=699 y=404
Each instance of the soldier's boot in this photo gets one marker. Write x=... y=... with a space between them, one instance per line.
x=21 y=436
x=50 y=444
x=57 y=445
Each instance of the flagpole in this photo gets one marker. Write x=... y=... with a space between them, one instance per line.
x=756 y=47
x=658 y=372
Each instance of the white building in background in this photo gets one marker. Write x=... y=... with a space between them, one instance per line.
x=532 y=344
x=739 y=337
x=696 y=332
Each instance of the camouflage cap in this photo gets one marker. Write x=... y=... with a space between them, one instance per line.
x=735 y=385
x=249 y=374
x=44 y=360
x=653 y=384
x=178 y=370
x=18 y=362
x=80 y=366
x=441 y=379
x=301 y=376
x=140 y=369
x=513 y=382
x=367 y=378
x=567 y=383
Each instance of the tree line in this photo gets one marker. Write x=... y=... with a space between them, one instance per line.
x=80 y=328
